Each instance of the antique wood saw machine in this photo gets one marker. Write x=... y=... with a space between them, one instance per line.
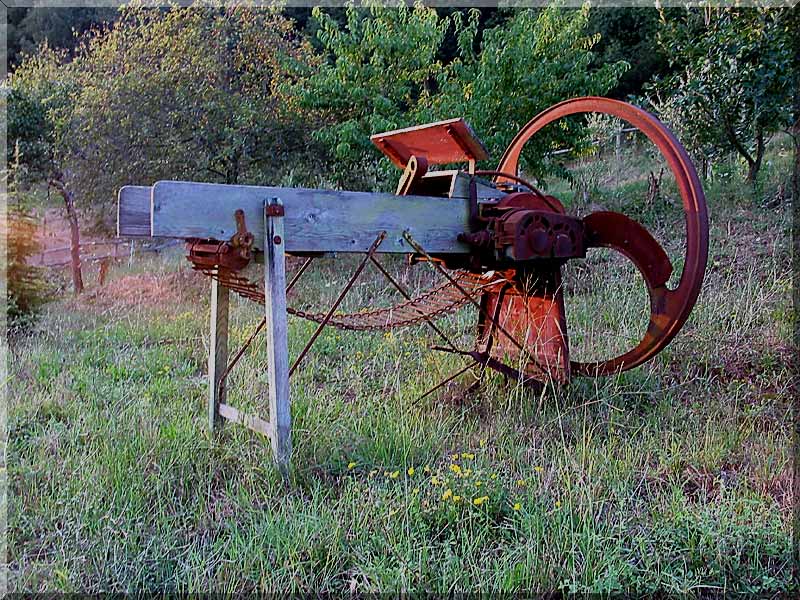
x=497 y=242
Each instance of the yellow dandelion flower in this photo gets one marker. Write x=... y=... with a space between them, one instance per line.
x=538 y=469
x=480 y=500
x=456 y=499
x=454 y=457
x=483 y=442
x=455 y=469
x=448 y=493
x=478 y=483
x=351 y=465
x=467 y=472
x=517 y=506
x=435 y=480
x=558 y=503
x=426 y=469
x=468 y=455
x=415 y=491
x=394 y=474
x=493 y=476
x=521 y=482
x=411 y=471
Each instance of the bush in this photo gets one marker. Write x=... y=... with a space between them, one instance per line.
x=26 y=289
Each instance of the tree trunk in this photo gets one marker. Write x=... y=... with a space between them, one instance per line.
x=754 y=165
x=75 y=239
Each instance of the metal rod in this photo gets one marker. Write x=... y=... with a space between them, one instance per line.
x=446 y=381
x=407 y=296
x=297 y=275
x=260 y=325
x=338 y=301
x=438 y=267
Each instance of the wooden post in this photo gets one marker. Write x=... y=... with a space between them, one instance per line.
x=217 y=352
x=277 y=333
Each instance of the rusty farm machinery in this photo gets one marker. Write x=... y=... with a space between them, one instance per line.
x=497 y=242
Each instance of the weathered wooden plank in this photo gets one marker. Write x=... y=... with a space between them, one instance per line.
x=133 y=211
x=483 y=191
x=217 y=351
x=316 y=220
x=277 y=334
x=250 y=421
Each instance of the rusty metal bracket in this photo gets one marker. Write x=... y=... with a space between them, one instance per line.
x=417 y=167
x=242 y=239
x=274 y=210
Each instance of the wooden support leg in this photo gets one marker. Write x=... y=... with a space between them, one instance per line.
x=217 y=352
x=277 y=333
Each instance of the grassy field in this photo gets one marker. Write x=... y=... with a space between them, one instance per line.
x=673 y=477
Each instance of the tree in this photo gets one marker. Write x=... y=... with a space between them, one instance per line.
x=630 y=35
x=41 y=95
x=378 y=66
x=382 y=72
x=29 y=27
x=187 y=93
x=734 y=88
x=525 y=65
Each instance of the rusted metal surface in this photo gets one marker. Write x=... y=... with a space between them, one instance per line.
x=441 y=143
x=531 y=311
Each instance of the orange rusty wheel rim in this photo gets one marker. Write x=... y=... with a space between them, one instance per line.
x=669 y=309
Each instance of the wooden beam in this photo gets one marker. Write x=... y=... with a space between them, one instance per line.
x=316 y=220
x=250 y=421
x=277 y=332
x=133 y=211
x=217 y=351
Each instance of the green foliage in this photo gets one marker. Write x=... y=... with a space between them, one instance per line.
x=41 y=95
x=525 y=65
x=28 y=128
x=29 y=27
x=734 y=89
x=629 y=34
x=26 y=289
x=379 y=65
x=382 y=72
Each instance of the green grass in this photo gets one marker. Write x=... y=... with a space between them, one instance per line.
x=674 y=477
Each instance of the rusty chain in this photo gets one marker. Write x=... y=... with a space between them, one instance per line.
x=436 y=302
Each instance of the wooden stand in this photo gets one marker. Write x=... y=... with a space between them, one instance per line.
x=278 y=429
x=217 y=352
x=277 y=332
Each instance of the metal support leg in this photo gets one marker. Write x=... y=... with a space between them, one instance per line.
x=217 y=352
x=277 y=333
